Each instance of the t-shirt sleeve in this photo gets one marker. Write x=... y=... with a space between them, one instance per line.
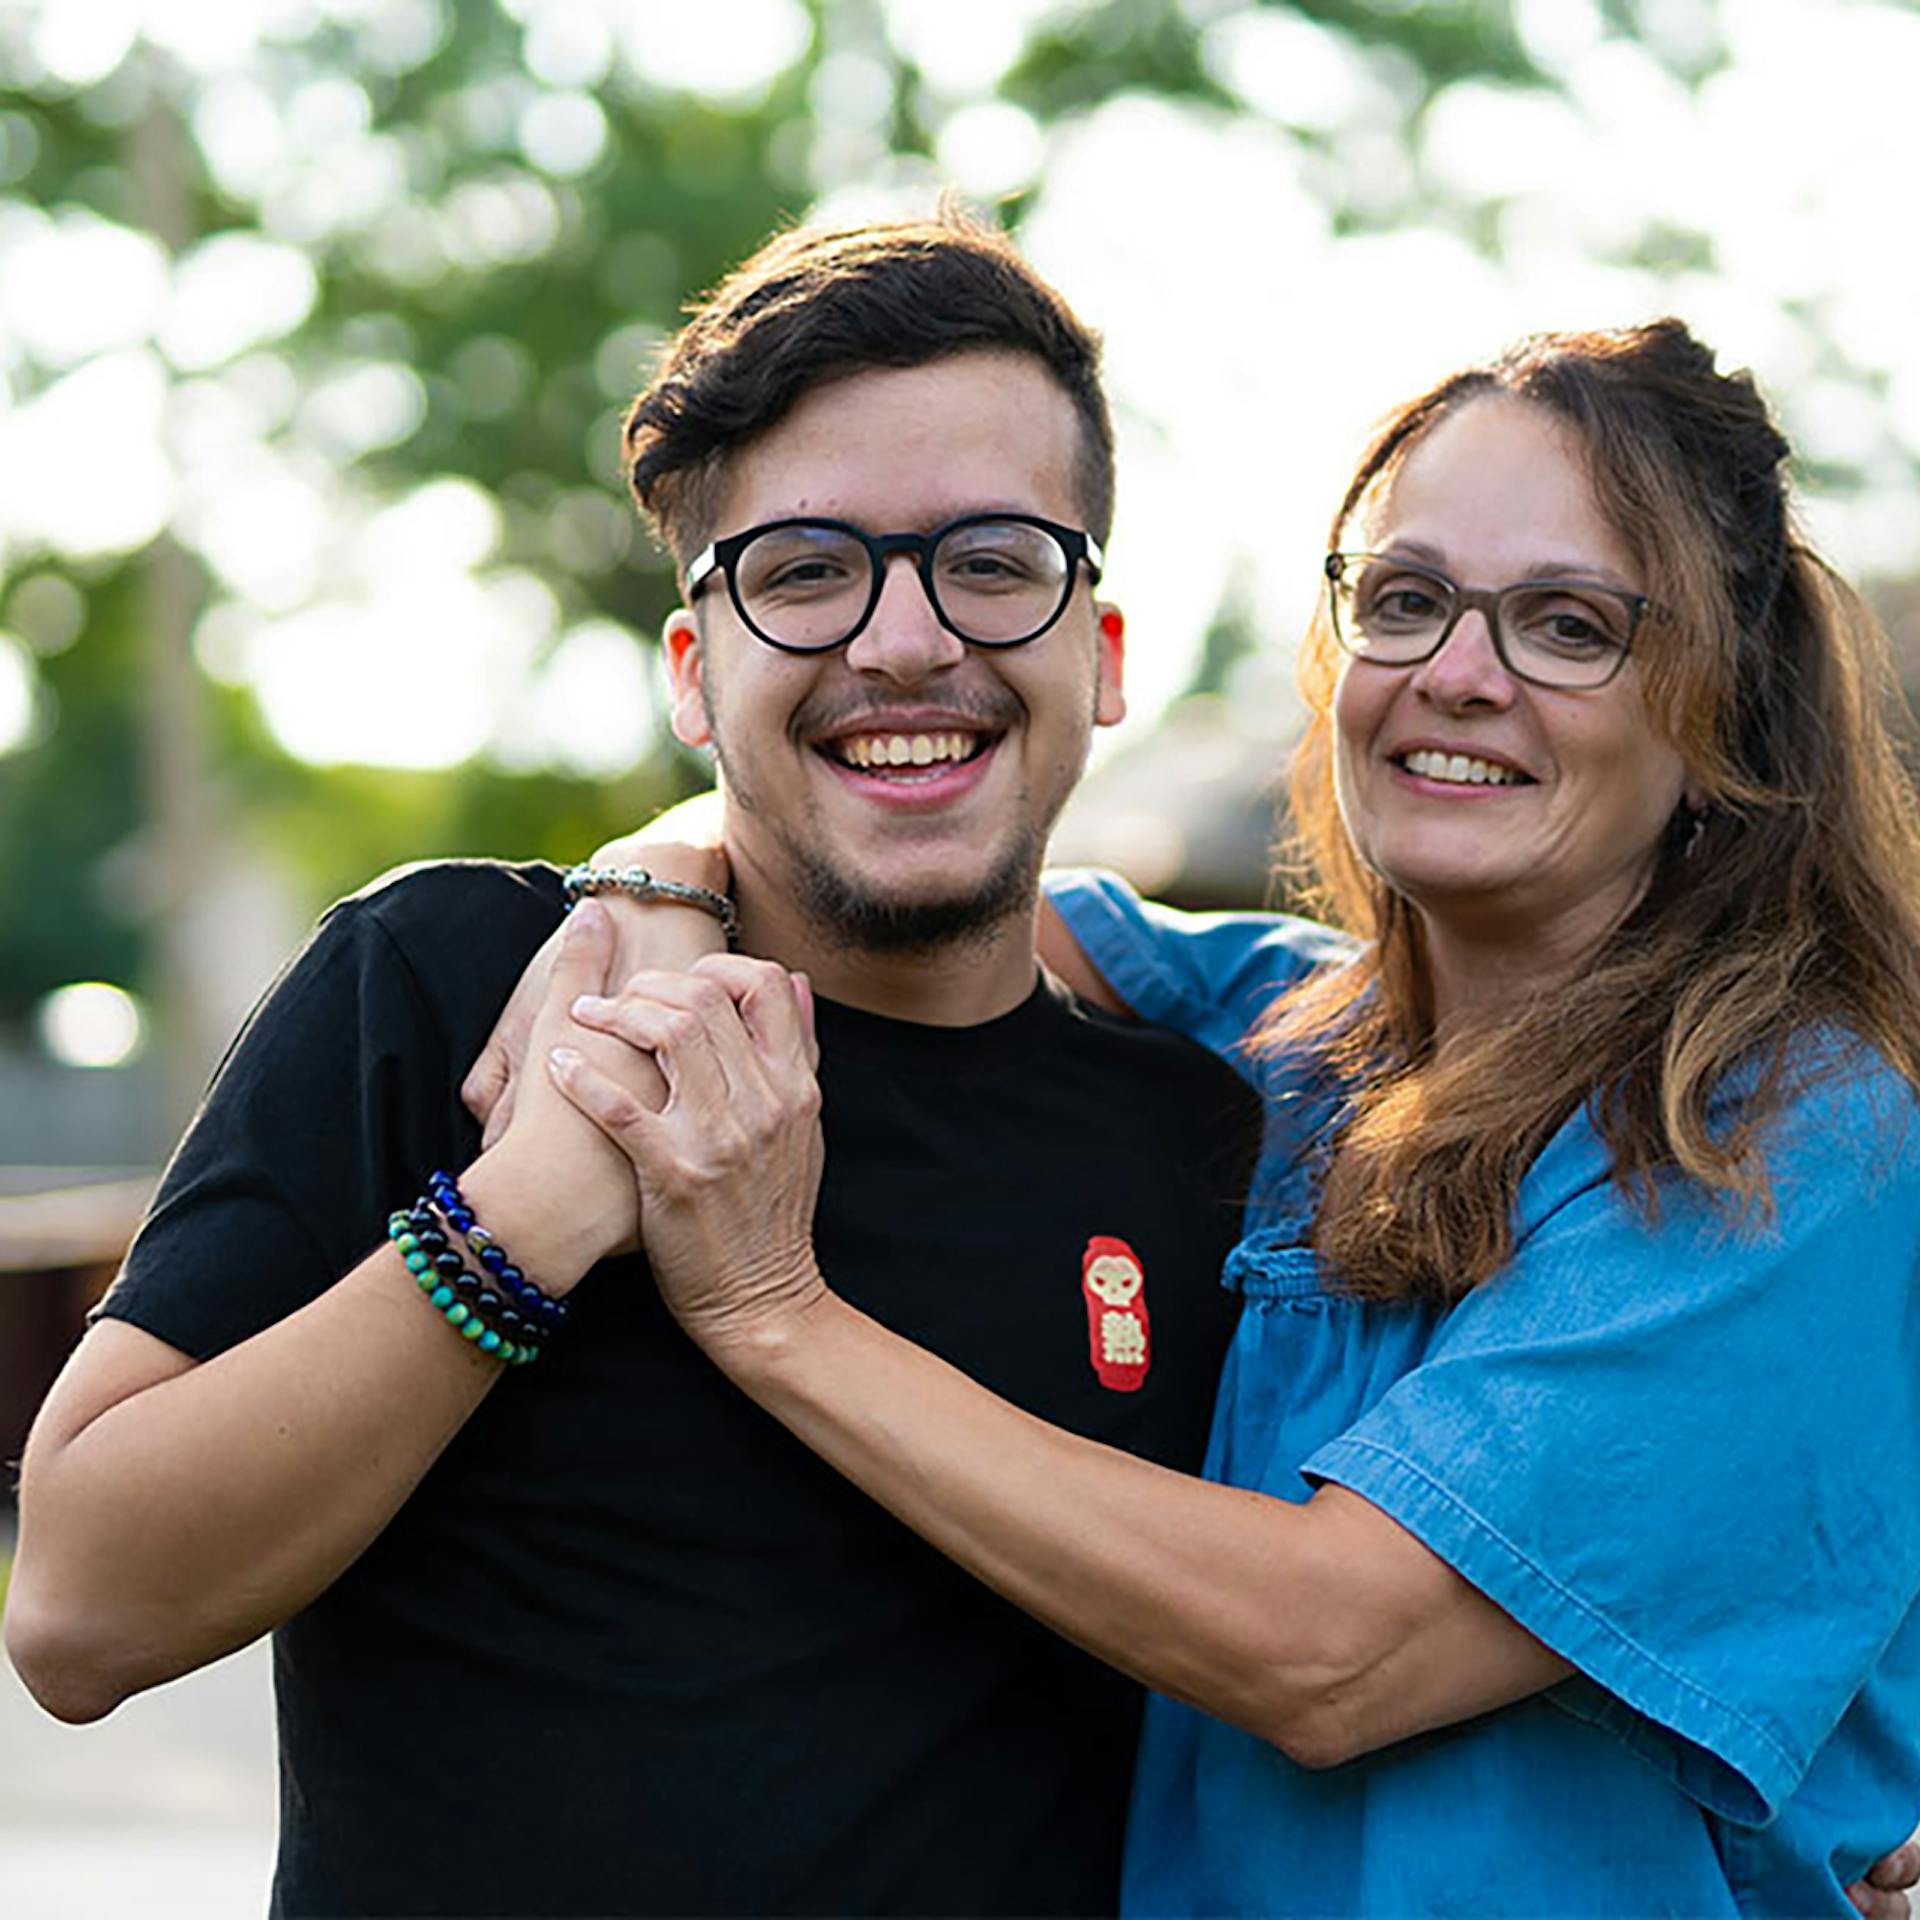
x=339 y=1094
x=1207 y=975
x=1686 y=1455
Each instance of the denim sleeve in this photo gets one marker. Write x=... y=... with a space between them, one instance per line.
x=1685 y=1453
x=1207 y=975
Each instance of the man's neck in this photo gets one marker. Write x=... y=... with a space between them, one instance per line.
x=960 y=983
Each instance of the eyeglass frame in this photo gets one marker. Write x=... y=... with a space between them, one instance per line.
x=723 y=556
x=1486 y=602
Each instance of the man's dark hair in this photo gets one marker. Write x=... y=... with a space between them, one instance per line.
x=813 y=306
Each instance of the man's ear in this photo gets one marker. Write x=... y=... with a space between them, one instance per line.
x=1110 y=659
x=687 y=709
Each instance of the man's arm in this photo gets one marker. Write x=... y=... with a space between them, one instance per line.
x=171 y=1512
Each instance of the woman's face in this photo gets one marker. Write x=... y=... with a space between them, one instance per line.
x=1551 y=840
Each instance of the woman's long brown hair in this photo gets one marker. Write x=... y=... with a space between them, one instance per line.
x=1795 y=905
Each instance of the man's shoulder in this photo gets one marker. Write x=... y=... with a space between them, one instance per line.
x=462 y=929
x=439 y=897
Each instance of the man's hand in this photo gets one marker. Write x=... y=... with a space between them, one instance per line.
x=729 y=1168
x=1882 y=1895
x=682 y=844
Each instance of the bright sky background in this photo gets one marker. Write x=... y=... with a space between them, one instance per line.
x=1249 y=347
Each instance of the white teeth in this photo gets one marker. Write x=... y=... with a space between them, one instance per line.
x=904 y=750
x=1458 y=769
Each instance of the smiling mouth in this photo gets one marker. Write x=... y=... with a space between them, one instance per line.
x=896 y=754
x=1460 y=769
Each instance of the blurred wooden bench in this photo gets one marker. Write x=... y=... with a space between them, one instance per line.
x=62 y=1235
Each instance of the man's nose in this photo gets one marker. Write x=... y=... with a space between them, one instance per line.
x=1467 y=670
x=904 y=640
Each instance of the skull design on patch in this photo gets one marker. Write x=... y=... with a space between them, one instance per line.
x=1119 y=1340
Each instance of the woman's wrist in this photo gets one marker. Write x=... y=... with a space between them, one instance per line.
x=770 y=1336
x=682 y=844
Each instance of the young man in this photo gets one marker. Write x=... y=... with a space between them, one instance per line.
x=597 y=1637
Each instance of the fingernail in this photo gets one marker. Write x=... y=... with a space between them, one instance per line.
x=564 y=1059
x=590 y=1004
x=588 y=914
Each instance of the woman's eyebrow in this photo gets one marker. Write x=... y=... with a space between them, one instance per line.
x=1545 y=569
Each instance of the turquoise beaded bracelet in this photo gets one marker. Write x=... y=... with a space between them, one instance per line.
x=459 y=1304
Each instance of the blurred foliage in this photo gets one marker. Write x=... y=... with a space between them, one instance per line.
x=523 y=363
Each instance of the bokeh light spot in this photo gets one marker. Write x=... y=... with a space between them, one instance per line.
x=91 y=1024
x=728 y=51
x=563 y=133
x=16 y=694
x=991 y=148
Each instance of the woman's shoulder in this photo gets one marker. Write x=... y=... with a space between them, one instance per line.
x=1835 y=1123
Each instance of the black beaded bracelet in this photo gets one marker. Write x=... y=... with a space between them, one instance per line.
x=541 y=1309
x=467 y=1304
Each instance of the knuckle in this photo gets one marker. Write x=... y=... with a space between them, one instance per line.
x=707 y=995
x=678 y=1026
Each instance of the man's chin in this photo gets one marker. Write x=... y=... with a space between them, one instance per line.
x=858 y=916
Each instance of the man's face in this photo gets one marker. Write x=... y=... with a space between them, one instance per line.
x=889 y=844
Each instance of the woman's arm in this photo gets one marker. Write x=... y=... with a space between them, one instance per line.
x=1324 y=1628
x=1067 y=960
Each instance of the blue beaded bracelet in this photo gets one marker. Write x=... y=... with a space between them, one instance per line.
x=461 y=1297
x=541 y=1309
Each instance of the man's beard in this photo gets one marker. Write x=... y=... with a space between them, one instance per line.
x=854 y=917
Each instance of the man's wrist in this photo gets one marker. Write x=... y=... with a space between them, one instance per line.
x=534 y=1215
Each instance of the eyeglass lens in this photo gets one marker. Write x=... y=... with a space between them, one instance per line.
x=1563 y=633
x=996 y=581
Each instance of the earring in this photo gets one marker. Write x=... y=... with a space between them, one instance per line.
x=1696 y=826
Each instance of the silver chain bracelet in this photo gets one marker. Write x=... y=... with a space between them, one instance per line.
x=638 y=884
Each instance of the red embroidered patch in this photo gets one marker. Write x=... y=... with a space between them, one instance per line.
x=1119 y=1341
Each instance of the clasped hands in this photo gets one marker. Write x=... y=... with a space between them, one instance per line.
x=704 y=1082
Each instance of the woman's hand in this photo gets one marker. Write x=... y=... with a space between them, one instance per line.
x=729 y=1169
x=682 y=844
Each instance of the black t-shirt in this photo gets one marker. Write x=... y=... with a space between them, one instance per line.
x=630 y=1648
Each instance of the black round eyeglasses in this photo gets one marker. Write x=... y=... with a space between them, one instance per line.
x=808 y=585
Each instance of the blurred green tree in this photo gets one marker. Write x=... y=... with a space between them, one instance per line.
x=504 y=205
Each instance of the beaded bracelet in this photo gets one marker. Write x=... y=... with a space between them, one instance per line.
x=472 y=1309
x=541 y=1309
x=638 y=884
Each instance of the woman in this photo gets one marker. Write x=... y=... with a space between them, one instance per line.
x=1567 y=1532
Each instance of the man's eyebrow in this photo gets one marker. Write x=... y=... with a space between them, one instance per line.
x=1544 y=569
